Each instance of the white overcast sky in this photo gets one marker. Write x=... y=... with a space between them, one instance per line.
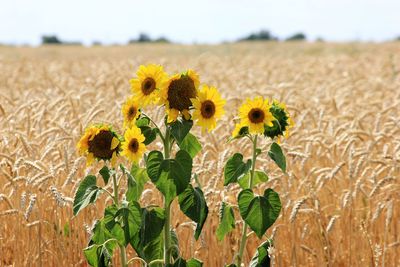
x=202 y=21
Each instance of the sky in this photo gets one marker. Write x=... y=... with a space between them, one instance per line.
x=205 y=21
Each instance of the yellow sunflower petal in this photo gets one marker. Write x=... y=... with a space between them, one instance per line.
x=186 y=114
x=89 y=159
x=114 y=159
x=172 y=115
x=114 y=143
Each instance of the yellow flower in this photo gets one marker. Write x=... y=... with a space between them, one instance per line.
x=99 y=142
x=209 y=106
x=146 y=87
x=133 y=147
x=177 y=92
x=236 y=131
x=255 y=114
x=130 y=111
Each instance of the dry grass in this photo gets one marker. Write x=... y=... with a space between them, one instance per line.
x=340 y=196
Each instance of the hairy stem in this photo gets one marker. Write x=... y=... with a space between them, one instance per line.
x=167 y=206
x=116 y=202
x=244 y=232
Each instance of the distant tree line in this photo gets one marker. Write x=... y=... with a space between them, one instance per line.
x=145 y=38
x=265 y=35
x=262 y=35
x=54 y=40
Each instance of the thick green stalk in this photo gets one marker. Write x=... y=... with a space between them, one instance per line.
x=116 y=202
x=167 y=206
x=244 y=232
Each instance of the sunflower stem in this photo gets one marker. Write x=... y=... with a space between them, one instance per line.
x=244 y=232
x=167 y=206
x=116 y=202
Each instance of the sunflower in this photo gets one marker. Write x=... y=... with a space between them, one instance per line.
x=130 y=111
x=146 y=87
x=99 y=142
x=240 y=130
x=255 y=114
x=133 y=147
x=209 y=106
x=283 y=122
x=177 y=92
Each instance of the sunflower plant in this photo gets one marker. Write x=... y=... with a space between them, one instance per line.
x=126 y=221
x=257 y=119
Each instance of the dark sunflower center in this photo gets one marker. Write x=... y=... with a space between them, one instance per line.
x=148 y=86
x=207 y=109
x=256 y=115
x=134 y=145
x=179 y=93
x=132 y=112
x=100 y=145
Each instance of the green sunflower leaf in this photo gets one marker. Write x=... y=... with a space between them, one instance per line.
x=180 y=129
x=276 y=154
x=176 y=252
x=261 y=258
x=87 y=193
x=105 y=173
x=190 y=144
x=259 y=212
x=180 y=262
x=194 y=263
x=148 y=242
x=143 y=121
x=149 y=134
x=235 y=168
x=193 y=205
x=227 y=221
x=171 y=176
x=259 y=177
x=97 y=255
x=130 y=220
x=137 y=178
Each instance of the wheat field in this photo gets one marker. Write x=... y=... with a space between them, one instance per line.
x=340 y=196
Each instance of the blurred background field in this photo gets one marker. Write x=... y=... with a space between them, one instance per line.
x=340 y=196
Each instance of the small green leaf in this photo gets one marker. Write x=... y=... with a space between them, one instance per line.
x=261 y=258
x=175 y=243
x=149 y=133
x=112 y=225
x=190 y=144
x=276 y=154
x=86 y=194
x=148 y=243
x=259 y=212
x=105 y=173
x=194 y=263
x=153 y=163
x=193 y=205
x=235 y=168
x=259 y=177
x=143 y=121
x=231 y=265
x=137 y=178
x=171 y=176
x=152 y=224
x=92 y=255
x=67 y=230
x=98 y=255
x=180 y=129
x=131 y=220
x=180 y=262
x=227 y=221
